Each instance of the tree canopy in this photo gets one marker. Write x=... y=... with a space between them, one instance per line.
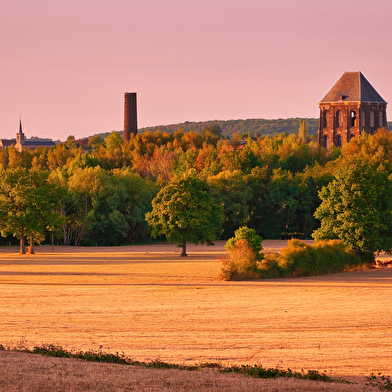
x=28 y=205
x=184 y=211
x=356 y=207
x=269 y=183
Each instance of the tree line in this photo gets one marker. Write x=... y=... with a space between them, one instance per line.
x=100 y=195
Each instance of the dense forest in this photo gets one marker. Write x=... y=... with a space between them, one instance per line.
x=102 y=192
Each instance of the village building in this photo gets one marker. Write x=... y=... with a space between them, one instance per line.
x=4 y=143
x=351 y=107
x=21 y=143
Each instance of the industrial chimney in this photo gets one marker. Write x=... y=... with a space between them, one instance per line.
x=130 y=115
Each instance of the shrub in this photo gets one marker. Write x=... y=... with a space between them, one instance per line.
x=301 y=259
x=295 y=260
x=271 y=268
x=241 y=263
x=250 y=236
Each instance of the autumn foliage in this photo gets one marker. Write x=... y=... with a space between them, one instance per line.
x=269 y=183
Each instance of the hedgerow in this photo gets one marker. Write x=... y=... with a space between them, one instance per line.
x=301 y=259
x=295 y=260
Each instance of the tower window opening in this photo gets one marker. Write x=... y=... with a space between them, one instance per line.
x=325 y=141
x=325 y=119
x=380 y=120
x=353 y=116
x=338 y=141
x=339 y=119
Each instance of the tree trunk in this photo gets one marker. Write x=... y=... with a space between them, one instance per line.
x=22 y=242
x=79 y=236
x=31 y=247
x=183 y=253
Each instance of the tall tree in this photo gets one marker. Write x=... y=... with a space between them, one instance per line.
x=303 y=131
x=356 y=208
x=184 y=211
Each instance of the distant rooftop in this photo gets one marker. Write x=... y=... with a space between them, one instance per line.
x=39 y=142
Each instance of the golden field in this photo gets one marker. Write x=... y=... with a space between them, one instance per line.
x=149 y=303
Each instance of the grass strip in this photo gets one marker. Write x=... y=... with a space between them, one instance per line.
x=255 y=371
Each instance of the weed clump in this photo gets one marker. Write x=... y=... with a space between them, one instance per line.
x=384 y=383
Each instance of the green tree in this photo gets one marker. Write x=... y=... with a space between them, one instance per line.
x=356 y=207
x=184 y=211
x=113 y=141
x=233 y=193
x=91 y=206
x=94 y=140
x=282 y=204
x=250 y=236
x=28 y=205
x=71 y=142
x=136 y=194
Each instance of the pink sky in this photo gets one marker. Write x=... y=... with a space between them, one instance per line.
x=65 y=64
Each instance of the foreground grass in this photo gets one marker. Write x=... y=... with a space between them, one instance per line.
x=256 y=371
x=19 y=370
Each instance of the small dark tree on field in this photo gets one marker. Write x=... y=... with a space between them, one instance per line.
x=184 y=211
x=356 y=207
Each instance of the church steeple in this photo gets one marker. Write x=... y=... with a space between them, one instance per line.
x=20 y=137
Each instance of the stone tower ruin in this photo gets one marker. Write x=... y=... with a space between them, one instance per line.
x=351 y=107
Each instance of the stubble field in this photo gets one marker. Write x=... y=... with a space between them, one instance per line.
x=149 y=303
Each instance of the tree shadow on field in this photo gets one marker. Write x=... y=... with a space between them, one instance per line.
x=197 y=284
x=61 y=259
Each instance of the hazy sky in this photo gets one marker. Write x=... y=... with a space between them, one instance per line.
x=65 y=64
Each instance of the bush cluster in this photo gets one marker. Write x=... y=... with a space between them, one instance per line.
x=295 y=260
x=244 y=257
x=240 y=264
x=301 y=259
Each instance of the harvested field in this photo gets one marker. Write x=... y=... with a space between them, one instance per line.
x=151 y=304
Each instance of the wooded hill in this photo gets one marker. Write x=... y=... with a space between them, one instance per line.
x=255 y=126
x=258 y=126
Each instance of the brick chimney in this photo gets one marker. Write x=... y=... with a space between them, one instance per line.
x=130 y=115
